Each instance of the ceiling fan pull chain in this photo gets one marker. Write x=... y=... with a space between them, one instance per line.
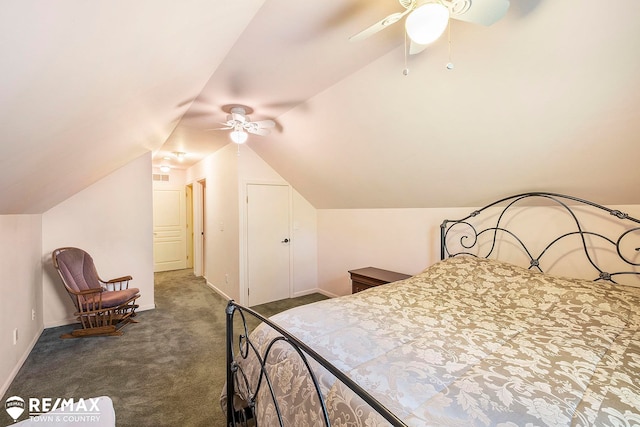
x=406 y=68
x=449 y=64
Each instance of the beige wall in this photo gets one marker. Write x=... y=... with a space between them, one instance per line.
x=221 y=225
x=407 y=240
x=305 y=246
x=112 y=220
x=227 y=172
x=403 y=240
x=253 y=170
x=20 y=290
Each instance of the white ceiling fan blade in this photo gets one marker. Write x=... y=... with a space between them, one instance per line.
x=483 y=12
x=265 y=123
x=416 y=48
x=257 y=131
x=385 y=22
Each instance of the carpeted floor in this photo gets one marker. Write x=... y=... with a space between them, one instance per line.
x=166 y=370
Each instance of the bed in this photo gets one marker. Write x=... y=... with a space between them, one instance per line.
x=470 y=341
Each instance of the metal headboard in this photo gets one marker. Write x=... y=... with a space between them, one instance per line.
x=498 y=231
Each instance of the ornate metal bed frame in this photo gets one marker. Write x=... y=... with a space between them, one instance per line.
x=471 y=235
x=245 y=415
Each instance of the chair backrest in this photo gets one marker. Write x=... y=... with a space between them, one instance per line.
x=76 y=269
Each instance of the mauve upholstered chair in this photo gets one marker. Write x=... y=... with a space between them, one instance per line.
x=102 y=307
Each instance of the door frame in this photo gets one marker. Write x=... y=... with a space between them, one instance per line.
x=244 y=252
x=199 y=218
x=189 y=202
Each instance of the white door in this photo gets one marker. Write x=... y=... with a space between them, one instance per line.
x=268 y=243
x=189 y=226
x=169 y=224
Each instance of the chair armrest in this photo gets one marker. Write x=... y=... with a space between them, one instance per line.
x=121 y=279
x=117 y=284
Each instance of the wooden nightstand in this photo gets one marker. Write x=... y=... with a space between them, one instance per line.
x=368 y=277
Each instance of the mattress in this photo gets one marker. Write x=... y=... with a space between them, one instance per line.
x=467 y=342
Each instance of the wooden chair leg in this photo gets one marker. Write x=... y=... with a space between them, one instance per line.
x=107 y=322
x=99 y=331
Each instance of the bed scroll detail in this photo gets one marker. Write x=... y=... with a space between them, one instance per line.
x=481 y=237
x=245 y=389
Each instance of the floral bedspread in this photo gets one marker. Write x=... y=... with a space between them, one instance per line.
x=468 y=342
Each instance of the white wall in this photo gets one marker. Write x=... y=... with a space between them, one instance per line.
x=112 y=220
x=253 y=170
x=305 y=246
x=176 y=179
x=404 y=240
x=20 y=290
x=227 y=172
x=221 y=227
x=327 y=242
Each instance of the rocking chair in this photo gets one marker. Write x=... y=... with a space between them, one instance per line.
x=103 y=307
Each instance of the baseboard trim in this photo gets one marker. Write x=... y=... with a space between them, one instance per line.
x=217 y=290
x=61 y=322
x=328 y=294
x=296 y=294
x=314 y=291
x=72 y=320
x=146 y=307
x=16 y=369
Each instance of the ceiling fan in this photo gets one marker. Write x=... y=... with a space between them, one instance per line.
x=427 y=19
x=241 y=125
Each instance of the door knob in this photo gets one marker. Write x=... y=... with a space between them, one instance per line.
x=285 y=241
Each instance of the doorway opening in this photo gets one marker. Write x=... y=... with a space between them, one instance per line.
x=198 y=210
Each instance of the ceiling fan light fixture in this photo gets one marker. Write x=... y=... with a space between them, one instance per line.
x=427 y=23
x=239 y=136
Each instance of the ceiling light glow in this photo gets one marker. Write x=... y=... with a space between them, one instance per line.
x=239 y=136
x=427 y=23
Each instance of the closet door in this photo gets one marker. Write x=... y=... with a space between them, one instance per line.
x=268 y=243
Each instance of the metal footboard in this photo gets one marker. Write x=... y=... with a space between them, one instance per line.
x=245 y=415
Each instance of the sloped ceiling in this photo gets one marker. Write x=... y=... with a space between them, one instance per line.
x=88 y=86
x=546 y=99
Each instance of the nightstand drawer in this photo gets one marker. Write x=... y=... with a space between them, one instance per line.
x=368 y=277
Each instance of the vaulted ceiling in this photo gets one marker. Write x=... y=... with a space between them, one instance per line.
x=548 y=98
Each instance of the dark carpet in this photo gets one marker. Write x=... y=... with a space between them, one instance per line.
x=166 y=370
